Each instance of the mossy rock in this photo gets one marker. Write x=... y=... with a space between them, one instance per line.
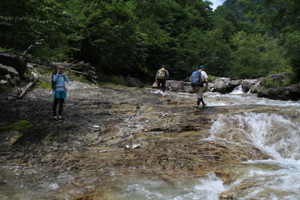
x=18 y=126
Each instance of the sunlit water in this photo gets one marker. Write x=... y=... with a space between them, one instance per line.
x=274 y=134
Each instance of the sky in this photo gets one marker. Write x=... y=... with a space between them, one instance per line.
x=216 y=3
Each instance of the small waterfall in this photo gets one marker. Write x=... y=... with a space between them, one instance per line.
x=273 y=134
x=237 y=90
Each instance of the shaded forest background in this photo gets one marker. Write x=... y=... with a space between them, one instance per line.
x=241 y=39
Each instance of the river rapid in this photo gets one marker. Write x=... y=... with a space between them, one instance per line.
x=132 y=144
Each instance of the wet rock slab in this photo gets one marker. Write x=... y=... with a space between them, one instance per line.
x=109 y=133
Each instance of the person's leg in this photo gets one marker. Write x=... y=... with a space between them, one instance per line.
x=163 y=85
x=200 y=96
x=63 y=95
x=195 y=89
x=159 y=81
x=61 y=105
x=55 y=106
x=159 y=84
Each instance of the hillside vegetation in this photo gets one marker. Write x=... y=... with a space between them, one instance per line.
x=241 y=39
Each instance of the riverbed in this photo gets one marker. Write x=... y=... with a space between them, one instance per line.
x=130 y=143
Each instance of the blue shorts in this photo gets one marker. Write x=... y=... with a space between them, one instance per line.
x=60 y=94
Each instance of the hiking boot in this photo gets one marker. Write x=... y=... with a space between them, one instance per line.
x=204 y=105
x=60 y=117
x=196 y=107
x=163 y=94
x=55 y=118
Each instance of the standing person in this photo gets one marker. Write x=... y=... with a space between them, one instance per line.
x=58 y=80
x=161 y=76
x=197 y=78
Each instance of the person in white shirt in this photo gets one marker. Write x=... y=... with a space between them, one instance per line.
x=199 y=89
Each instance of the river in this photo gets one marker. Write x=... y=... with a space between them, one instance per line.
x=277 y=135
x=271 y=127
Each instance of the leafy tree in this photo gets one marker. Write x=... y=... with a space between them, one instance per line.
x=135 y=37
x=279 y=19
x=254 y=56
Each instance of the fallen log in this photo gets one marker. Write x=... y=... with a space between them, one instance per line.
x=79 y=68
x=23 y=91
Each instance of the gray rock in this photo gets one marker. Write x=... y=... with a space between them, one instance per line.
x=256 y=87
x=220 y=86
x=174 y=85
x=247 y=84
x=133 y=82
x=291 y=92
x=224 y=85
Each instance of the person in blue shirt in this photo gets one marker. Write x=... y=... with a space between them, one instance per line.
x=59 y=78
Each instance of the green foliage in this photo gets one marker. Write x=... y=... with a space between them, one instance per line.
x=254 y=56
x=18 y=126
x=279 y=19
x=268 y=82
x=292 y=46
x=44 y=84
x=116 y=80
x=242 y=39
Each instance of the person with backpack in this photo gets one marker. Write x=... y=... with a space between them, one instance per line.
x=197 y=78
x=161 y=76
x=58 y=85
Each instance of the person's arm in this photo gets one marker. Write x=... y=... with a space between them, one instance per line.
x=206 y=81
x=167 y=73
x=66 y=78
x=54 y=77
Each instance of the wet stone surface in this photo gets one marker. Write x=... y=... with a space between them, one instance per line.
x=109 y=133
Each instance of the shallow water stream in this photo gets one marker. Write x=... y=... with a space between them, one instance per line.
x=133 y=144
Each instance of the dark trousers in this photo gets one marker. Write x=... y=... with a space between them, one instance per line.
x=161 y=84
x=60 y=107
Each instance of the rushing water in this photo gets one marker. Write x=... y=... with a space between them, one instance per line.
x=274 y=134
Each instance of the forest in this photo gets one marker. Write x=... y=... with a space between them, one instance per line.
x=240 y=39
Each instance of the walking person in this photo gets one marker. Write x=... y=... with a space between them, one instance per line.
x=58 y=83
x=197 y=79
x=161 y=76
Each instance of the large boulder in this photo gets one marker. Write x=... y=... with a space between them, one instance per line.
x=187 y=87
x=279 y=78
x=291 y=92
x=221 y=84
x=234 y=83
x=256 y=87
x=247 y=84
x=174 y=85
x=225 y=85
x=133 y=82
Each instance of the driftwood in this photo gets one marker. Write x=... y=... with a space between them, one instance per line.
x=4 y=69
x=23 y=91
x=79 y=68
